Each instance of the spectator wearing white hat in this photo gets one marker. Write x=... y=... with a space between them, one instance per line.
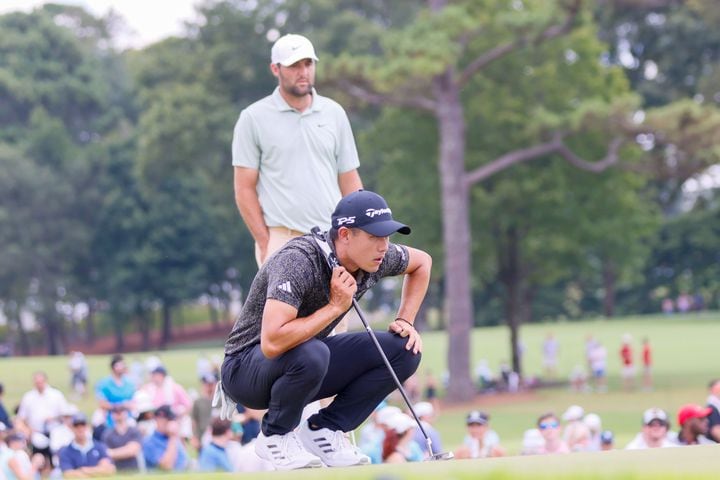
x=398 y=445
x=426 y=413
x=293 y=153
x=480 y=441
x=62 y=434
x=594 y=424
x=572 y=417
x=654 y=432
x=372 y=434
x=533 y=442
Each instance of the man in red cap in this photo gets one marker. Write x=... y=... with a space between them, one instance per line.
x=693 y=421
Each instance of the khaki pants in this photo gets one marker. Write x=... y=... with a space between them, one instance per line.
x=279 y=236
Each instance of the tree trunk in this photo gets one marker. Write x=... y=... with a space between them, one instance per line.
x=213 y=313
x=166 y=324
x=609 y=280
x=119 y=335
x=24 y=340
x=53 y=334
x=90 y=324
x=456 y=235
x=144 y=324
x=511 y=278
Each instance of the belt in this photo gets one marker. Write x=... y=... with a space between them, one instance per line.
x=287 y=231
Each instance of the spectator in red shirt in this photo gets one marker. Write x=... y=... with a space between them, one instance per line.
x=628 y=368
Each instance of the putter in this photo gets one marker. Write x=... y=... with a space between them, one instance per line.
x=333 y=262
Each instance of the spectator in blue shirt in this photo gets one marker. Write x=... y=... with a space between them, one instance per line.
x=115 y=390
x=164 y=449
x=84 y=457
x=213 y=456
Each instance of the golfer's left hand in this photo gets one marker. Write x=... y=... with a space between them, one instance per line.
x=398 y=327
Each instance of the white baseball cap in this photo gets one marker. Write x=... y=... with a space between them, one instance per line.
x=384 y=414
x=654 y=414
x=424 y=409
x=291 y=48
x=400 y=422
x=574 y=412
x=593 y=421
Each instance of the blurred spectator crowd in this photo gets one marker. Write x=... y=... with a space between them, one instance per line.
x=145 y=421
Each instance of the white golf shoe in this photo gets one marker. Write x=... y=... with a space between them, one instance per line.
x=332 y=447
x=285 y=452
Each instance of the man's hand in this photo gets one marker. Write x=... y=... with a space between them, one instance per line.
x=173 y=428
x=404 y=329
x=342 y=288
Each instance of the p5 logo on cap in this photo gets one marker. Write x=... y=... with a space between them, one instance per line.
x=345 y=221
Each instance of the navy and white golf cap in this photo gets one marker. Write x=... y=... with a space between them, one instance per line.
x=369 y=212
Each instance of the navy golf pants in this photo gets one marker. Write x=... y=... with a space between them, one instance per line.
x=347 y=365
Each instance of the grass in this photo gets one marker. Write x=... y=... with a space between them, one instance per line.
x=684 y=349
x=701 y=463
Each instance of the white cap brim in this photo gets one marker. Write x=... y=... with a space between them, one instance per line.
x=301 y=54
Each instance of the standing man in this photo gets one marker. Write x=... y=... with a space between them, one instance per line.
x=115 y=390
x=293 y=152
x=647 y=364
x=550 y=349
x=628 y=366
x=280 y=356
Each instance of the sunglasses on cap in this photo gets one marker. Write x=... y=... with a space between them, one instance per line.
x=546 y=425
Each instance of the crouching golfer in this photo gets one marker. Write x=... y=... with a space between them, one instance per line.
x=280 y=356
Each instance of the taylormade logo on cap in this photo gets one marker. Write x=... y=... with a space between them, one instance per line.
x=369 y=212
x=292 y=48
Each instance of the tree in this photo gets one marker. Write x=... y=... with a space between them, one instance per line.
x=426 y=67
x=55 y=108
x=438 y=64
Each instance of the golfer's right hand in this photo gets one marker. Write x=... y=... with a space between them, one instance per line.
x=342 y=288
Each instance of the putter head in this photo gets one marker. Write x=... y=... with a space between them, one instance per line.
x=442 y=456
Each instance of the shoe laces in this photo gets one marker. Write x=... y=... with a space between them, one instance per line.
x=342 y=442
x=291 y=444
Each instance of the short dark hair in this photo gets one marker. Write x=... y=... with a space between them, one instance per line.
x=117 y=358
x=219 y=427
x=2 y=389
x=545 y=416
x=333 y=234
x=712 y=383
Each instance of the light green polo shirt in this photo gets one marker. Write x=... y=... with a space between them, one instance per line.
x=298 y=156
